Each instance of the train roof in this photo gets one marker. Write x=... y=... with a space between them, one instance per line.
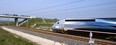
x=113 y=19
x=109 y=19
x=90 y=19
x=80 y=19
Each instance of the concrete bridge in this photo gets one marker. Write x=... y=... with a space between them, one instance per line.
x=16 y=17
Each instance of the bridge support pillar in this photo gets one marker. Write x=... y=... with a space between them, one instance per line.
x=16 y=21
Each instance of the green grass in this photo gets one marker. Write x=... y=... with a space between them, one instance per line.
x=40 y=23
x=7 y=38
x=5 y=23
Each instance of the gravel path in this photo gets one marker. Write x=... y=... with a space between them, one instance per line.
x=30 y=37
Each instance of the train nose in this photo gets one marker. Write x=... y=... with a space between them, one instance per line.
x=57 y=27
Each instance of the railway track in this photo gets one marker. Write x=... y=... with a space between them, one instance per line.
x=105 y=36
x=80 y=38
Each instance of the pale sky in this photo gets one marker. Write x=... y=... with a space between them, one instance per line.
x=60 y=9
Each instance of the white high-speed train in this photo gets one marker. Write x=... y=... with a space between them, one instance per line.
x=86 y=25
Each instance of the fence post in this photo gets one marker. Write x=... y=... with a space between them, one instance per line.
x=91 y=41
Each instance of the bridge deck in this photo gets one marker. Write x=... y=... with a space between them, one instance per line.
x=16 y=16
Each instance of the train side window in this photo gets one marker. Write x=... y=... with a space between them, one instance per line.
x=57 y=22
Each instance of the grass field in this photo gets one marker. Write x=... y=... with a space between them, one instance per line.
x=7 y=38
x=40 y=24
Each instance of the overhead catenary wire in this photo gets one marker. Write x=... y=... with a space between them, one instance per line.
x=71 y=12
x=67 y=12
x=79 y=7
x=51 y=7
